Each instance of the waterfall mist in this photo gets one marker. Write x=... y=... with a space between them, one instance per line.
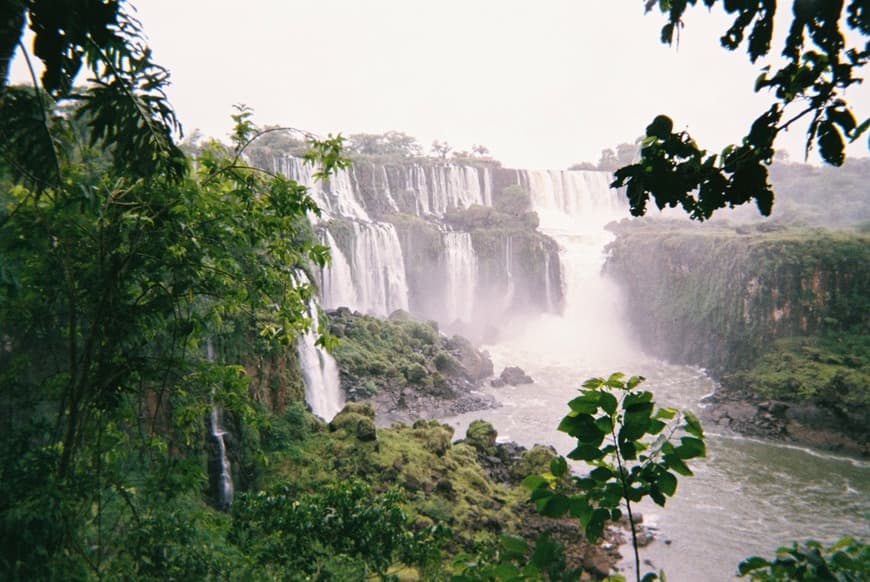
x=573 y=208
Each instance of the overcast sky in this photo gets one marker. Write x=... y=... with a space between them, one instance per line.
x=542 y=83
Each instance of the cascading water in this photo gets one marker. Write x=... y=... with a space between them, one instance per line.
x=224 y=487
x=747 y=497
x=378 y=269
x=319 y=370
x=320 y=373
x=336 y=279
x=461 y=276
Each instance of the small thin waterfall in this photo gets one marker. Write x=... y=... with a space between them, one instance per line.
x=460 y=264
x=508 y=269
x=224 y=487
x=319 y=372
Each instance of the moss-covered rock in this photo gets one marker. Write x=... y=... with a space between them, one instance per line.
x=406 y=367
x=481 y=435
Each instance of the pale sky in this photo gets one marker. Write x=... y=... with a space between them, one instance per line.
x=542 y=84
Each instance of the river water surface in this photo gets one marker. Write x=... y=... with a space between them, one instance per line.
x=747 y=497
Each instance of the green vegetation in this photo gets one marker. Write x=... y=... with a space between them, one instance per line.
x=376 y=355
x=626 y=464
x=831 y=370
x=848 y=560
x=819 y=66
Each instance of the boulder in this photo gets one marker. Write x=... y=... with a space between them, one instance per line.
x=514 y=376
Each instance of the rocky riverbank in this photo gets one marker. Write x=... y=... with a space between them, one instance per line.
x=406 y=368
x=777 y=314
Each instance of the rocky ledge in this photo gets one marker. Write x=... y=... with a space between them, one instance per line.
x=406 y=368
x=743 y=412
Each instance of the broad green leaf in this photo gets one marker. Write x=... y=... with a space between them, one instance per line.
x=665 y=413
x=615 y=380
x=693 y=425
x=514 y=544
x=608 y=402
x=533 y=482
x=593 y=383
x=634 y=398
x=546 y=552
x=579 y=507
x=586 y=403
x=690 y=448
x=558 y=466
x=506 y=571
x=604 y=424
x=585 y=453
x=667 y=483
x=673 y=462
x=634 y=381
x=601 y=474
x=655 y=427
x=583 y=428
x=556 y=506
x=750 y=564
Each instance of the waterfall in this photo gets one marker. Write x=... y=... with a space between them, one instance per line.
x=371 y=278
x=461 y=276
x=336 y=279
x=573 y=208
x=336 y=196
x=225 y=477
x=319 y=372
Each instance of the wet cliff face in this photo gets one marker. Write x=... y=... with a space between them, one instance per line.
x=719 y=299
x=457 y=244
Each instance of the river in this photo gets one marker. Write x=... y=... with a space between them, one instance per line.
x=747 y=497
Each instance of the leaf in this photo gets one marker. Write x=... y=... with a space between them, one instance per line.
x=830 y=143
x=558 y=466
x=583 y=428
x=586 y=403
x=673 y=462
x=533 y=482
x=615 y=380
x=665 y=413
x=693 y=425
x=667 y=483
x=750 y=564
x=601 y=474
x=649 y=577
x=690 y=448
x=585 y=453
x=514 y=544
x=634 y=381
x=556 y=506
x=608 y=402
x=593 y=383
x=604 y=424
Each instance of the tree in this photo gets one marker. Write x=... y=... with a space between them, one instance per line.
x=819 y=67
x=123 y=105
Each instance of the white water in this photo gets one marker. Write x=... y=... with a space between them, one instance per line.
x=320 y=372
x=378 y=269
x=460 y=264
x=336 y=279
x=747 y=497
x=225 y=478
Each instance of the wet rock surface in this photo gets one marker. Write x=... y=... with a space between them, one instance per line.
x=512 y=375
x=810 y=424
